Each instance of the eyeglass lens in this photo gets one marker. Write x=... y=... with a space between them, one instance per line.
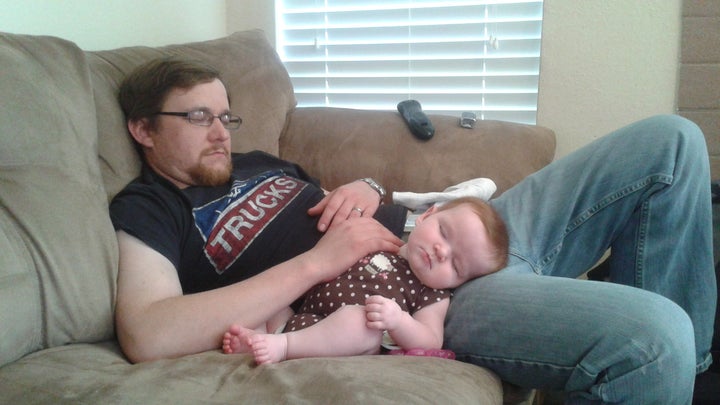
x=203 y=117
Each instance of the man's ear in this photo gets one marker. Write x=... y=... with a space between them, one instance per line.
x=140 y=131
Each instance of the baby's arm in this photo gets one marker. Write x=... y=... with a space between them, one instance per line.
x=423 y=330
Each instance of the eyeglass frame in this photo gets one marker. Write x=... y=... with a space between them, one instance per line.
x=233 y=122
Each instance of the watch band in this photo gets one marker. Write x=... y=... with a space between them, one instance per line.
x=375 y=186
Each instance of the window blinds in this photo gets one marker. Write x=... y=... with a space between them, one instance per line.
x=451 y=56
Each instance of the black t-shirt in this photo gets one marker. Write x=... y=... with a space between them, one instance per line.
x=215 y=236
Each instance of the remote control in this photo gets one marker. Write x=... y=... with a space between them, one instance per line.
x=417 y=121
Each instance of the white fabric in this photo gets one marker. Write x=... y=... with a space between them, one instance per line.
x=481 y=188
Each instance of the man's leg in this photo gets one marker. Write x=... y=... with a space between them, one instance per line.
x=644 y=191
x=600 y=342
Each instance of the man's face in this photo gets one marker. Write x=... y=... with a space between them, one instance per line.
x=189 y=154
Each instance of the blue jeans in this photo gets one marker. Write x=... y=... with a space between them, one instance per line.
x=642 y=191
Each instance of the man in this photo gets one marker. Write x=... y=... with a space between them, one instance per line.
x=182 y=153
x=199 y=249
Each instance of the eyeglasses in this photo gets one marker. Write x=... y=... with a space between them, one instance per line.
x=205 y=118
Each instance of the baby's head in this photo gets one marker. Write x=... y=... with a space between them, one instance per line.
x=457 y=242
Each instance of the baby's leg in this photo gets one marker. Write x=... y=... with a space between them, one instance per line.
x=237 y=340
x=268 y=348
x=279 y=320
x=342 y=333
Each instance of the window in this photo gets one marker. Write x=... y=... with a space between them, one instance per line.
x=451 y=56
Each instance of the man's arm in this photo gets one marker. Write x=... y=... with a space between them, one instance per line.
x=155 y=320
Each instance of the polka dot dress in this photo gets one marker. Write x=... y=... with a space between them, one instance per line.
x=380 y=273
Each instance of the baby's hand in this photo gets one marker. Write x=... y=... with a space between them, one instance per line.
x=382 y=313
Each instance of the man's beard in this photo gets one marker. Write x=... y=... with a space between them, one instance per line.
x=206 y=176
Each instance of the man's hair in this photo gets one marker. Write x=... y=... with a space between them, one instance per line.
x=144 y=91
x=494 y=224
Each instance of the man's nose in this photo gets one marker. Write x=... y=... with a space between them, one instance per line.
x=218 y=131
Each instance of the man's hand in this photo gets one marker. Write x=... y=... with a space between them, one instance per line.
x=356 y=199
x=348 y=241
x=382 y=313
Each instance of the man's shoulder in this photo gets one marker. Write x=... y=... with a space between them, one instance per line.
x=147 y=187
x=254 y=162
x=245 y=158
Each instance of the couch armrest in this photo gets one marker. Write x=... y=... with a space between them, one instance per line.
x=340 y=145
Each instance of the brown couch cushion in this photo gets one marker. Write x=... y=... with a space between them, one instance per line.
x=341 y=145
x=57 y=278
x=259 y=87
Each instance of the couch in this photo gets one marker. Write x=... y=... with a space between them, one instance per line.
x=65 y=152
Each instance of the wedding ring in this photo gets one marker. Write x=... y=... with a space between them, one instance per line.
x=358 y=210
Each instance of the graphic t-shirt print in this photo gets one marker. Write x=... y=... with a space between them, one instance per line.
x=231 y=223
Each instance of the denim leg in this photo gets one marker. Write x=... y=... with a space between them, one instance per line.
x=643 y=191
x=600 y=342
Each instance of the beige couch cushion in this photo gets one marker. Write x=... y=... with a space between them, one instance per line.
x=57 y=278
x=98 y=374
x=259 y=87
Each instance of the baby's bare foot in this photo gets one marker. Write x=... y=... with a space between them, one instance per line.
x=269 y=348
x=237 y=340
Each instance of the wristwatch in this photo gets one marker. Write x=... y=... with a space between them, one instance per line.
x=375 y=186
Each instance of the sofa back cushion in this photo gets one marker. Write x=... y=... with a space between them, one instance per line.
x=57 y=246
x=339 y=145
x=258 y=84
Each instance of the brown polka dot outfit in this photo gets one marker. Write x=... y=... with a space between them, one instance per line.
x=380 y=273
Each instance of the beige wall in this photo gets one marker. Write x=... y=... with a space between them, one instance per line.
x=605 y=63
x=107 y=24
x=699 y=77
x=246 y=14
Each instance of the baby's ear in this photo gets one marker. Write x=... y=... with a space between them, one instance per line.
x=427 y=213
